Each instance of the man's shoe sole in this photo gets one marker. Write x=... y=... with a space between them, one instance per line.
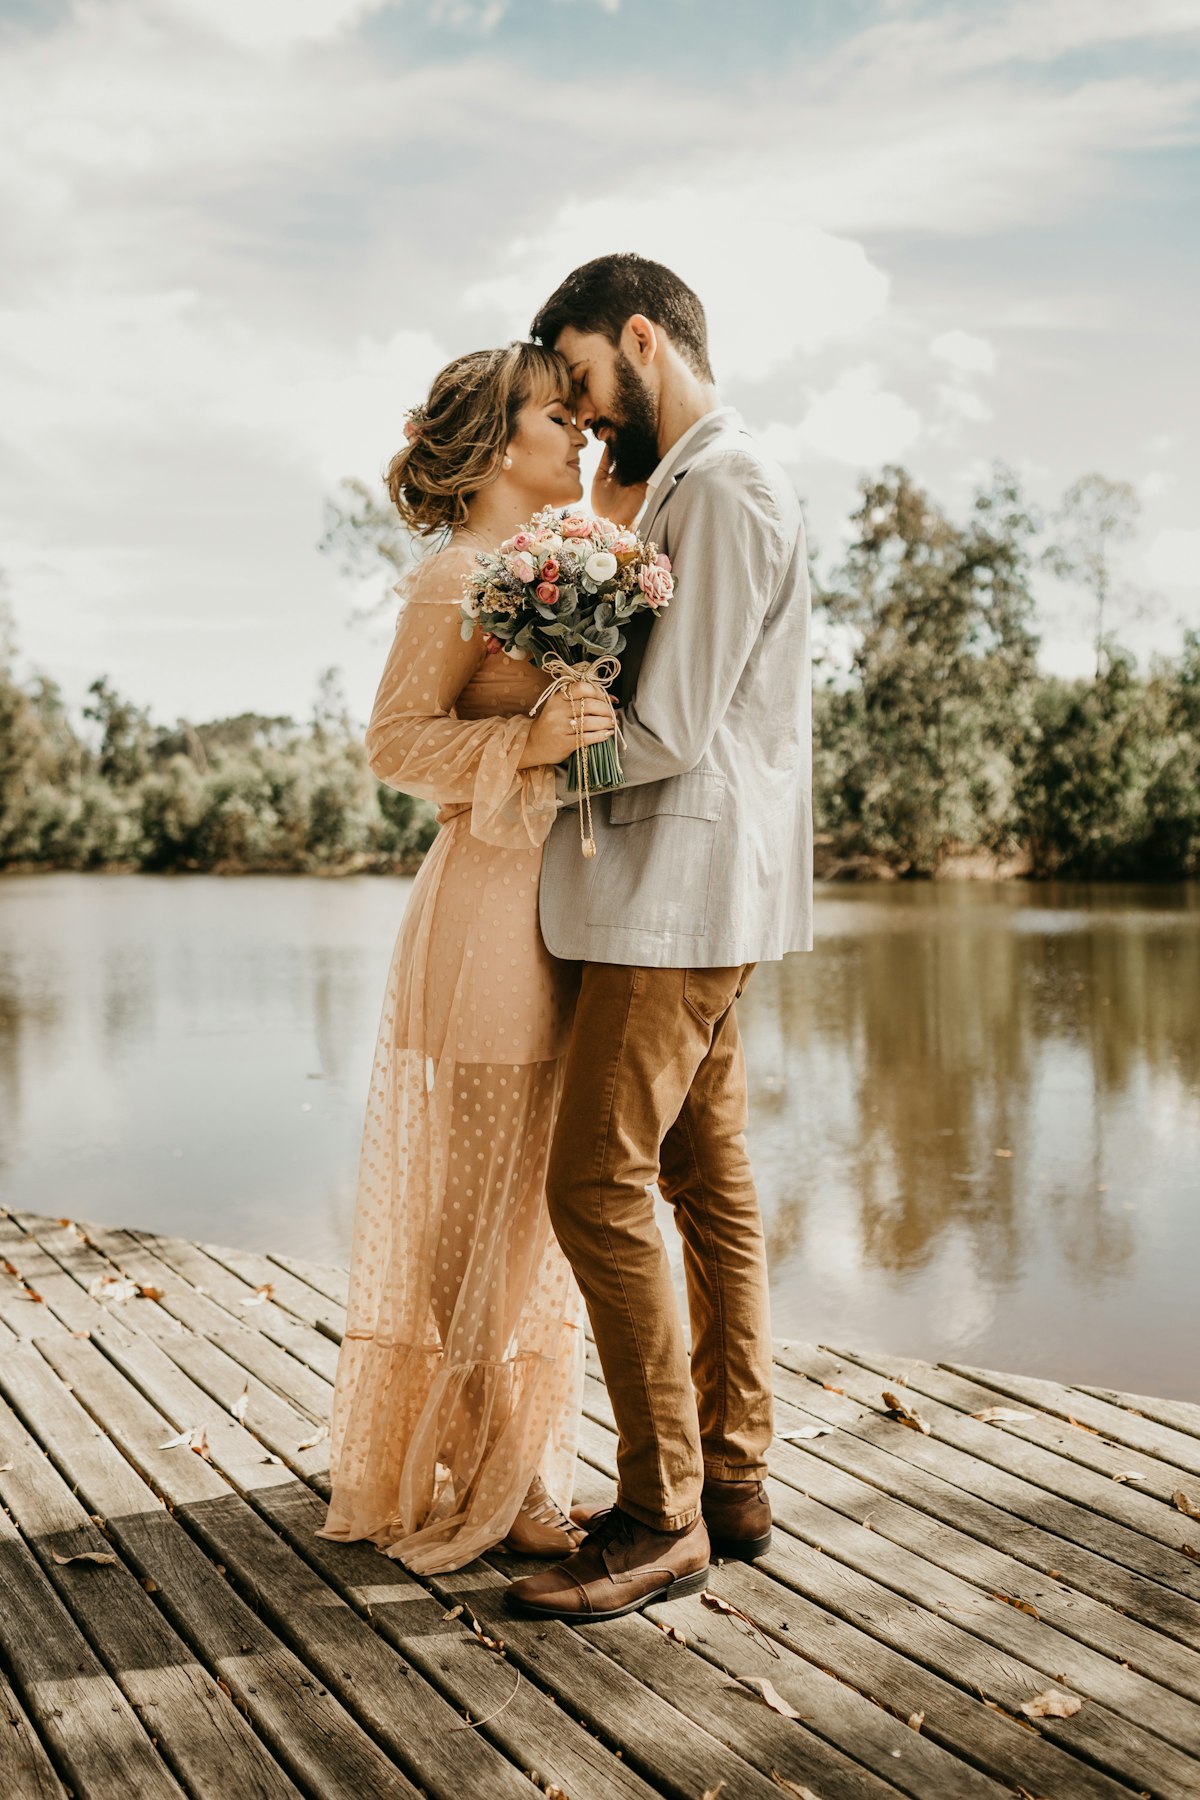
x=674 y=1590
x=740 y=1549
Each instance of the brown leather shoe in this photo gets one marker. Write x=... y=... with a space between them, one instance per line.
x=738 y=1516
x=542 y=1528
x=622 y=1565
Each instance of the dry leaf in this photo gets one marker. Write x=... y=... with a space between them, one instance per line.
x=804 y=1431
x=1191 y=1550
x=793 y=1787
x=112 y=1288
x=318 y=1437
x=150 y=1293
x=1187 y=1506
x=456 y=1612
x=85 y=1556
x=1090 y=1429
x=1001 y=1415
x=10 y=1268
x=1051 y=1705
x=916 y=1720
x=194 y=1438
x=713 y=1793
x=672 y=1631
x=4 y=1467
x=766 y=1692
x=1128 y=1475
x=238 y=1409
x=717 y=1604
x=1021 y=1605
x=489 y=1643
x=1001 y=1152
x=149 y=1583
x=261 y=1293
x=830 y=1389
x=904 y=1415
x=28 y=1293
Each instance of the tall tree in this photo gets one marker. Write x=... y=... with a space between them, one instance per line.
x=1096 y=516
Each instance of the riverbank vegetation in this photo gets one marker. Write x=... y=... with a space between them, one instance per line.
x=938 y=740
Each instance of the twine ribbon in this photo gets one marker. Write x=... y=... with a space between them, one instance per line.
x=564 y=676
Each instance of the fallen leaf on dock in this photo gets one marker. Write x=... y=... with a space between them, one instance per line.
x=263 y=1292
x=793 y=1787
x=28 y=1293
x=238 y=1409
x=916 y=1720
x=1001 y=1152
x=1079 y=1426
x=4 y=1467
x=716 y=1604
x=318 y=1437
x=85 y=1556
x=1051 y=1705
x=1128 y=1475
x=672 y=1631
x=150 y=1293
x=1001 y=1415
x=111 y=1288
x=194 y=1438
x=1191 y=1550
x=1021 y=1605
x=804 y=1431
x=770 y=1696
x=10 y=1268
x=713 y=1793
x=1186 y=1505
x=456 y=1612
x=830 y=1389
x=904 y=1415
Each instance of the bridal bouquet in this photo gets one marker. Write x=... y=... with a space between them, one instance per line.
x=557 y=594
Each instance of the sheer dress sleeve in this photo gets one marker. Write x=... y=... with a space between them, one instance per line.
x=416 y=743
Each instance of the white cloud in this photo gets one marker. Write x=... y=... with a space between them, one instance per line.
x=1154 y=483
x=969 y=354
x=963 y=402
x=276 y=24
x=1174 y=558
x=787 y=286
x=856 y=422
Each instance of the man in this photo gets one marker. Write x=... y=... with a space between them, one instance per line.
x=704 y=868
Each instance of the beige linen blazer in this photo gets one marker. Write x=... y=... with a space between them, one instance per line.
x=704 y=858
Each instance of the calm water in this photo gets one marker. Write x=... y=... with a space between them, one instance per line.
x=975 y=1109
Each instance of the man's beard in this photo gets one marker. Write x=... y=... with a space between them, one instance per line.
x=633 y=453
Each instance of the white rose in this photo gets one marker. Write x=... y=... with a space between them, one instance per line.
x=517 y=653
x=471 y=606
x=600 y=566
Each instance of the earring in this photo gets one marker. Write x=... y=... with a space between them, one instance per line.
x=507 y=463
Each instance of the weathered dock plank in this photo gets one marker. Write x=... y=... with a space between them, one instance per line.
x=920 y=1588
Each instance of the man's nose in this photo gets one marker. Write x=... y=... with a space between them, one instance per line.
x=585 y=412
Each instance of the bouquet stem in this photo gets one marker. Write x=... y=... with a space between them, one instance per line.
x=604 y=767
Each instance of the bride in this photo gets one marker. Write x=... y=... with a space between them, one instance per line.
x=460 y=1376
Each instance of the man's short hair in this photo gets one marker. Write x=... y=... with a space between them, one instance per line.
x=603 y=295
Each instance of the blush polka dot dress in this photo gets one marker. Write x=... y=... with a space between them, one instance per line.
x=460 y=1377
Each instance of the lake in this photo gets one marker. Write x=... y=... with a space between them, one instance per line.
x=975 y=1108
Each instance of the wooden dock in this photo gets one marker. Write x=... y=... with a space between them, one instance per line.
x=170 y=1624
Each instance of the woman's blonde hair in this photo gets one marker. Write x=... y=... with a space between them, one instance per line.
x=457 y=439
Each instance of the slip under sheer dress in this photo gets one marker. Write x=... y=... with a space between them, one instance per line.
x=460 y=1376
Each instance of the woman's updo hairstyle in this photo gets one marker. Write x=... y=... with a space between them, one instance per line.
x=457 y=439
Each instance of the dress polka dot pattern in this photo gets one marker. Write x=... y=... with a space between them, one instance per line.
x=460 y=1377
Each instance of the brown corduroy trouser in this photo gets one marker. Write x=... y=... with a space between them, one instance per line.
x=655 y=1089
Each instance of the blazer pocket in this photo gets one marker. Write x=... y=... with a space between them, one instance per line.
x=700 y=794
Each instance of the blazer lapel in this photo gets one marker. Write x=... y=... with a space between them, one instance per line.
x=714 y=425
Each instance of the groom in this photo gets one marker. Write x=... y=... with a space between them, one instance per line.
x=704 y=868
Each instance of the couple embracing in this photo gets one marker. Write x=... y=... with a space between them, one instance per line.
x=560 y=1034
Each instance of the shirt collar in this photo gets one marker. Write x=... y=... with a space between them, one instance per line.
x=670 y=462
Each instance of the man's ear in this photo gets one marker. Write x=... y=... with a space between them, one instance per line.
x=640 y=339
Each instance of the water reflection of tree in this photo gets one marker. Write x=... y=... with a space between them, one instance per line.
x=899 y=1059
x=29 y=1016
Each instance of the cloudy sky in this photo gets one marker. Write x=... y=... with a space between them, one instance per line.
x=240 y=235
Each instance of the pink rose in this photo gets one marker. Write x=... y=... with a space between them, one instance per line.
x=521 y=541
x=547 y=593
x=661 y=561
x=657 y=585
x=549 y=569
x=575 y=527
x=606 y=528
x=493 y=644
x=523 y=566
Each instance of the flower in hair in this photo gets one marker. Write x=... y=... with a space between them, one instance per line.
x=415 y=420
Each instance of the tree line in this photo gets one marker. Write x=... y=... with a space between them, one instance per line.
x=936 y=734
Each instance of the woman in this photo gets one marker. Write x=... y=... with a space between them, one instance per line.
x=459 y=1381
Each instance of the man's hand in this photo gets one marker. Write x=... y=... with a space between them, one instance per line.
x=610 y=500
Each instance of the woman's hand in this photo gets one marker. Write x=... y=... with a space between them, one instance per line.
x=554 y=733
x=610 y=500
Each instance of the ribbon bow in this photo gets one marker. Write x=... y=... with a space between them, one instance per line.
x=564 y=676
